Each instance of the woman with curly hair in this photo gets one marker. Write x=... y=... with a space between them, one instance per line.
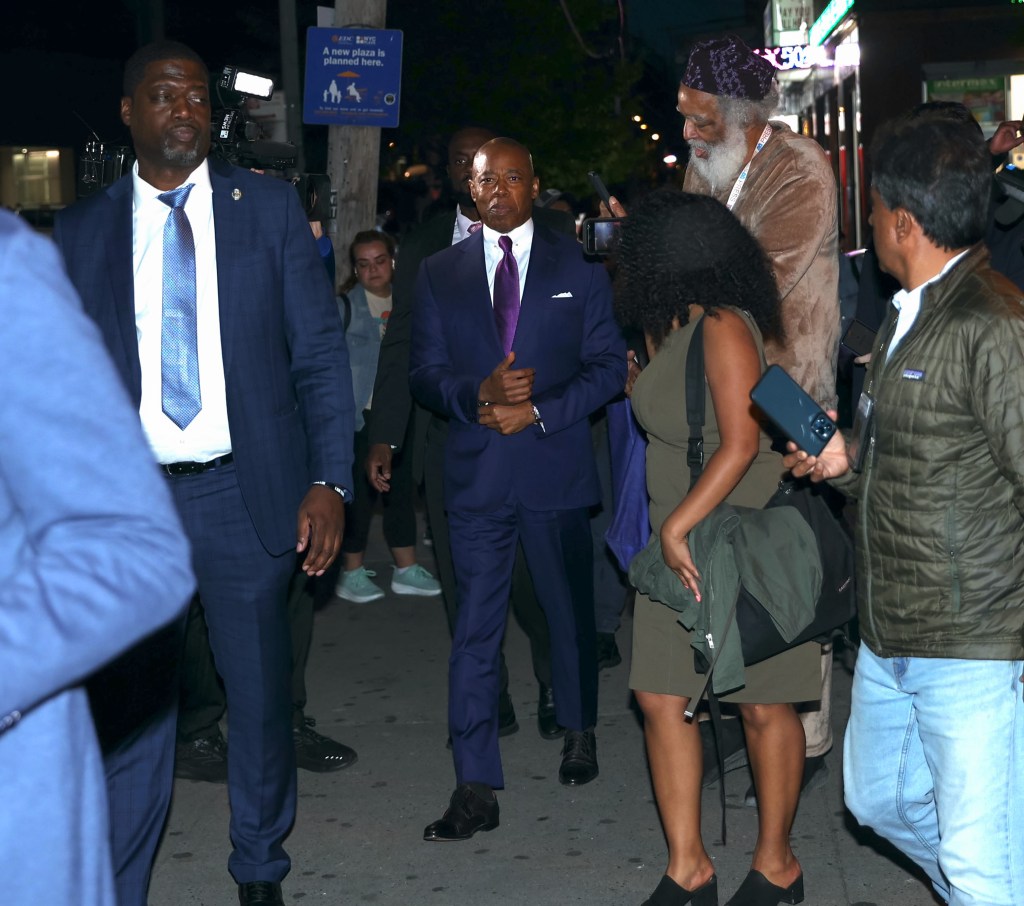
x=684 y=259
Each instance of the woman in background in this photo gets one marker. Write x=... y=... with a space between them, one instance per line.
x=365 y=306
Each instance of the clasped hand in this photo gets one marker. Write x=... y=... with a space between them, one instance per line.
x=505 y=398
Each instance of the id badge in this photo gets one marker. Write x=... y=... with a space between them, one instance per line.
x=863 y=430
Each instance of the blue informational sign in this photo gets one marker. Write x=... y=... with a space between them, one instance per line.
x=353 y=76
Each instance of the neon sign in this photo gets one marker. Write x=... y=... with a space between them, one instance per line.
x=796 y=56
x=830 y=17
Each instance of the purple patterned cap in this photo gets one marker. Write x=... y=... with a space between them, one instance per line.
x=728 y=68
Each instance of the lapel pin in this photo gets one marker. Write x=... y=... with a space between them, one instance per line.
x=236 y=194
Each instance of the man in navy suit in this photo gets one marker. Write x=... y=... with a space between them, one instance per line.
x=259 y=472
x=519 y=461
x=80 y=502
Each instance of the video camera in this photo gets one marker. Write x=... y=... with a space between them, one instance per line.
x=1010 y=180
x=236 y=136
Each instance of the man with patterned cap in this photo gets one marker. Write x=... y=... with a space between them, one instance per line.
x=781 y=188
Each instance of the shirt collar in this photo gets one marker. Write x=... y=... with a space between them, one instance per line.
x=912 y=296
x=142 y=191
x=521 y=234
x=462 y=223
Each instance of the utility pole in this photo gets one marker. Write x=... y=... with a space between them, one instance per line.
x=353 y=152
x=291 y=80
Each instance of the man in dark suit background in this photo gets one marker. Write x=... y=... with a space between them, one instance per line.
x=260 y=465
x=391 y=432
x=514 y=340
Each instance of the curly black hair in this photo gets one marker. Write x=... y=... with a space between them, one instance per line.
x=678 y=249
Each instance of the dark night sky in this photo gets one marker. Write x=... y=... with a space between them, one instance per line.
x=62 y=60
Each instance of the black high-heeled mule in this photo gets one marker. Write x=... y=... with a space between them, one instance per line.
x=669 y=893
x=757 y=890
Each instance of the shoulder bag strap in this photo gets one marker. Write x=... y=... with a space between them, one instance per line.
x=695 y=418
x=695 y=402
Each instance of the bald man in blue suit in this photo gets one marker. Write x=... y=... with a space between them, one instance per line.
x=519 y=463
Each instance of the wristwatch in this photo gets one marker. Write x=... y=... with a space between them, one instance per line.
x=345 y=493
x=537 y=420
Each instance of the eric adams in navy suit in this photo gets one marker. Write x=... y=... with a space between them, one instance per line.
x=519 y=463
x=264 y=464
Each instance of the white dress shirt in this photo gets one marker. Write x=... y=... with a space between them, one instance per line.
x=207 y=436
x=908 y=303
x=522 y=243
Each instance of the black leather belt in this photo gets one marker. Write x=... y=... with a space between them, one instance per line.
x=174 y=469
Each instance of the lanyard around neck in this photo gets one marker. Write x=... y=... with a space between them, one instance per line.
x=742 y=178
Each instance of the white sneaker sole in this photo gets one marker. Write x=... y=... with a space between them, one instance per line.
x=399 y=589
x=358 y=599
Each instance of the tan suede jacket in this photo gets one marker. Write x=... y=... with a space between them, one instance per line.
x=789 y=203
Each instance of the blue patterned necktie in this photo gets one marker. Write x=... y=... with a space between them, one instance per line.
x=179 y=347
x=506 y=294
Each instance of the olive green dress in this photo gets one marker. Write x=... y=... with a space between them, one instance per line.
x=662 y=656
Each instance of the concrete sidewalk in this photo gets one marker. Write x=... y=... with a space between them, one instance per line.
x=377 y=681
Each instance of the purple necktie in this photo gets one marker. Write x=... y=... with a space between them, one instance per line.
x=506 y=294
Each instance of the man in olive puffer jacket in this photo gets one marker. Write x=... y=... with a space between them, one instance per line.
x=934 y=752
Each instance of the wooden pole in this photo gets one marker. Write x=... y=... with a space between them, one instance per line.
x=353 y=152
x=291 y=79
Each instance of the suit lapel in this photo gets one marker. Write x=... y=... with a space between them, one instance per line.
x=121 y=267
x=230 y=229
x=471 y=286
x=539 y=279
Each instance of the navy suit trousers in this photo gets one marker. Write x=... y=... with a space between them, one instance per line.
x=244 y=591
x=559 y=556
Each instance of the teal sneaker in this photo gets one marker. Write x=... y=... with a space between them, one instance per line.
x=415 y=581
x=356 y=586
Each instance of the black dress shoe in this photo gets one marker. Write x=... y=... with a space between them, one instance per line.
x=547 y=723
x=260 y=893
x=314 y=752
x=204 y=759
x=757 y=890
x=466 y=814
x=507 y=723
x=608 y=654
x=579 y=758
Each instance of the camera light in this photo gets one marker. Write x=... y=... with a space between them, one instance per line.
x=249 y=83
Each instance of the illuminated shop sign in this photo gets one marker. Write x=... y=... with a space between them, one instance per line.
x=828 y=20
x=797 y=56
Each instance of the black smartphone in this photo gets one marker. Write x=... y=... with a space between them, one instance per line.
x=796 y=413
x=859 y=338
x=600 y=188
x=600 y=235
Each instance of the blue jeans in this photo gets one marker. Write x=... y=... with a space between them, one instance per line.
x=934 y=762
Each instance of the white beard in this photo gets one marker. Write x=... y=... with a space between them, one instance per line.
x=725 y=158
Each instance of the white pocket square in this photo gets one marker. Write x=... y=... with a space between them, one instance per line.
x=566 y=295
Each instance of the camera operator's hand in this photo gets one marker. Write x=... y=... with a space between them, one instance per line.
x=1006 y=137
x=617 y=210
x=505 y=386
